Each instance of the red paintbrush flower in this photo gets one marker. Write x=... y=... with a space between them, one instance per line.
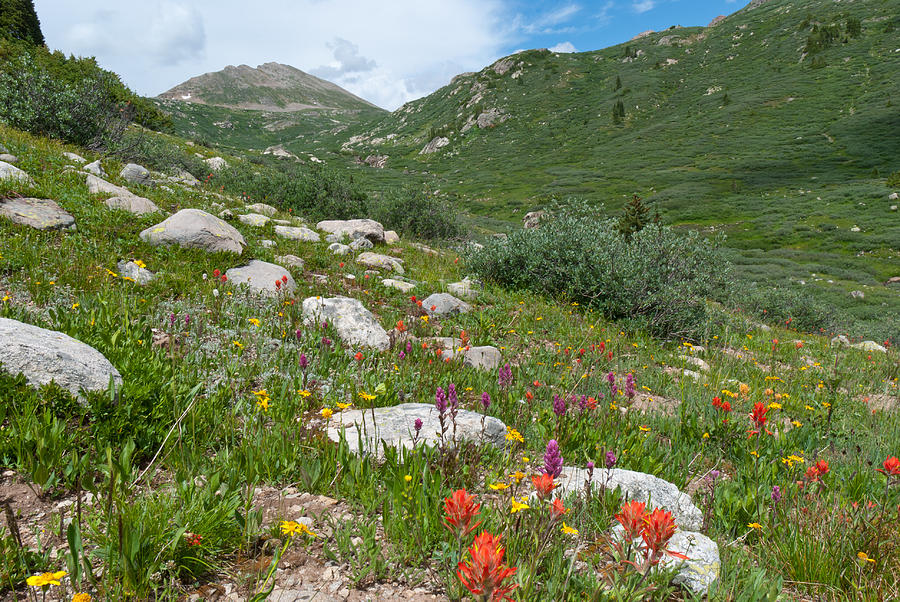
x=631 y=517
x=557 y=509
x=544 y=485
x=758 y=415
x=659 y=527
x=891 y=467
x=461 y=509
x=485 y=573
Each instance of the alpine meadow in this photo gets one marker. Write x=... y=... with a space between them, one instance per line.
x=617 y=325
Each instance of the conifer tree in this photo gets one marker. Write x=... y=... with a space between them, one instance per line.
x=635 y=215
x=19 y=21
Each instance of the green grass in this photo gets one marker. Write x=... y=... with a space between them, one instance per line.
x=195 y=403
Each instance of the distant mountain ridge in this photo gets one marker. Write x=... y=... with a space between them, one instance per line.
x=268 y=87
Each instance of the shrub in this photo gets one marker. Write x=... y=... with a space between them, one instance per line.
x=781 y=304
x=87 y=113
x=417 y=214
x=658 y=280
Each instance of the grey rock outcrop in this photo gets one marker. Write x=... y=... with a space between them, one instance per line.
x=484 y=357
x=376 y=260
x=444 y=304
x=267 y=210
x=290 y=260
x=394 y=426
x=132 y=203
x=400 y=285
x=42 y=214
x=353 y=229
x=354 y=324
x=253 y=219
x=11 y=172
x=436 y=143
x=261 y=277
x=45 y=356
x=136 y=174
x=338 y=249
x=193 y=228
x=304 y=234
x=95 y=168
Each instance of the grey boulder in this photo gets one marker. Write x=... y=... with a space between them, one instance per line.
x=136 y=174
x=304 y=234
x=267 y=210
x=395 y=426
x=354 y=324
x=361 y=243
x=11 y=172
x=254 y=219
x=129 y=269
x=132 y=204
x=391 y=237
x=465 y=288
x=638 y=486
x=195 y=229
x=354 y=228
x=45 y=356
x=95 y=168
x=444 y=304
x=42 y=214
x=338 y=249
x=290 y=260
x=375 y=260
x=261 y=277
x=400 y=285
x=484 y=357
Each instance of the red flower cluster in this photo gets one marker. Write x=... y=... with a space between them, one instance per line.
x=461 y=509
x=817 y=470
x=891 y=467
x=717 y=403
x=758 y=415
x=544 y=485
x=485 y=573
x=219 y=275
x=655 y=528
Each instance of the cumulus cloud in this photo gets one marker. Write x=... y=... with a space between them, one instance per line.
x=563 y=47
x=176 y=34
x=643 y=6
x=347 y=59
x=549 y=22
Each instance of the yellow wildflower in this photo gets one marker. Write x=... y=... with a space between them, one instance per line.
x=366 y=396
x=139 y=263
x=865 y=557
x=517 y=506
x=407 y=478
x=82 y=597
x=292 y=527
x=514 y=435
x=756 y=526
x=304 y=393
x=253 y=321
x=343 y=406
x=237 y=344
x=518 y=476
x=498 y=486
x=326 y=413
x=45 y=579
x=568 y=530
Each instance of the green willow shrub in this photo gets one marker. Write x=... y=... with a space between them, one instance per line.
x=416 y=214
x=659 y=280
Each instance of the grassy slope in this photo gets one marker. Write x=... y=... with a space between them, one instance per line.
x=60 y=280
x=793 y=160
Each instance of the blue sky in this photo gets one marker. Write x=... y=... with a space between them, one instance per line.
x=388 y=52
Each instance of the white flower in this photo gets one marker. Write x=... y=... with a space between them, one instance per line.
x=204 y=275
x=215 y=292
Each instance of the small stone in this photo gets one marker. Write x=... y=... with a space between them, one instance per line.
x=695 y=361
x=361 y=243
x=464 y=288
x=303 y=234
x=404 y=287
x=857 y=294
x=267 y=210
x=376 y=260
x=9 y=158
x=129 y=269
x=338 y=249
x=391 y=237
x=131 y=203
x=136 y=174
x=443 y=304
x=95 y=168
x=291 y=261
x=267 y=244
x=483 y=358
x=253 y=219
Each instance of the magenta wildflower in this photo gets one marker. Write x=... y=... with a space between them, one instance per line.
x=610 y=459
x=485 y=400
x=559 y=406
x=552 y=459
x=504 y=377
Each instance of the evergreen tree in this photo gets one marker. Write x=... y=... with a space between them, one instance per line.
x=635 y=215
x=19 y=21
x=618 y=82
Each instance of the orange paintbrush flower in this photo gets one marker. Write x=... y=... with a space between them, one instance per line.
x=461 y=509
x=543 y=484
x=758 y=415
x=631 y=517
x=485 y=573
x=891 y=467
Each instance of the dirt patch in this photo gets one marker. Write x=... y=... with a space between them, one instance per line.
x=654 y=404
x=881 y=402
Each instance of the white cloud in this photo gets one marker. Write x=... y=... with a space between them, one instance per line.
x=563 y=47
x=548 y=23
x=387 y=52
x=643 y=6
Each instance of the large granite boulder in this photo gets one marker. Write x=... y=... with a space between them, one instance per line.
x=395 y=426
x=444 y=304
x=137 y=205
x=45 y=356
x=355 y=324
x=195 y=229
x=261 y=277
x=638 y=486
x=42 y=214
x=354 y=228
x=11 y=172
x=375 y=260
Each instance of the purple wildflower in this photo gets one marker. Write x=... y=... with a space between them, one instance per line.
x=401 y=355
x=611 y=378
x=610 y=459
x=776 y=494
x=187 y=319
x=303 y=361
x=485 y=400
x=629 y=386
x=559 y=406
x=590 y=469
x=552 y=459
x=298 y=334
x=504 y=377
x=440 y=401
x=582 y=403
x=171 y=320
x=452 y=399
x=418 y=425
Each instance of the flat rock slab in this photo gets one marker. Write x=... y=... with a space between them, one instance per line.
x=444 y=304
x=338 y=249
x=45 y=356
x=464 y=288
x=304 y=234
x=401 y=286
x=11 y=172
x=267 y=210
x=638 y=486
x=395 y=427
x=132 y=204
x=355 y=324
x=195 y=229
x=42 y=214
x=129 y=269
x=482 y=358
x=261 y=277
x=354 y=228
x=375 y=260
x=254 y=219
x=97 y=185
